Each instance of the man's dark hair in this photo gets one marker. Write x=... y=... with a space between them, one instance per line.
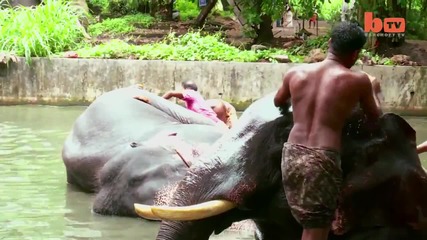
x=347 y=37
x=190 y=85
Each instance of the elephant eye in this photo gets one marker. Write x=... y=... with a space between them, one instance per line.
x=135 y=181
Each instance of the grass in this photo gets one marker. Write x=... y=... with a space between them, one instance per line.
x=40 y=32
x=122 y=25
x=52 y=28
x=192 y=46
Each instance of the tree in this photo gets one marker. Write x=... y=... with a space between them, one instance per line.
x=384 y=9
x=304 y=9
x=200 y=20
x=259 y=15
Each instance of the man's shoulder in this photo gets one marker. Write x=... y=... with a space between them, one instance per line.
x=299 y=70
x=358 y=76
x=356 y=81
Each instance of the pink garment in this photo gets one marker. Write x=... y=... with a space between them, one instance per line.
x=196 y=103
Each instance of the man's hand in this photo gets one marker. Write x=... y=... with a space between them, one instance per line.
x=142 y=98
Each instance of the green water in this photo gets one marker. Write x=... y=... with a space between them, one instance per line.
x=35 y=200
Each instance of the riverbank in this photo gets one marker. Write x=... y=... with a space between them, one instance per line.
x=63 y=81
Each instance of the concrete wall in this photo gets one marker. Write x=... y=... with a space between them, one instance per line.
x=80 y=81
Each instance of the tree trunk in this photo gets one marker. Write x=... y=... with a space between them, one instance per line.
x=237 y=11
x=153 y=8
x=169 y=12
x=225 y=5
x=205 y=12
x=265 y=30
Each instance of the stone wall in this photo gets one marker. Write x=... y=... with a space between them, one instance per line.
x=80 y=81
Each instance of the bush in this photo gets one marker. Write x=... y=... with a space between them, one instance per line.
x=331 y=11
x=115 y=8
x=99 y=6
x=189 y=47
x=121 y=25
x=188 y=9
x=310 y=44
x=415 y=25
x=39 y=32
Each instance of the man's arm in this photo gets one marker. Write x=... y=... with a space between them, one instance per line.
x=176 y=94
x=422 y=147
x=283 y=94
x=376 y=88
x=367 y=101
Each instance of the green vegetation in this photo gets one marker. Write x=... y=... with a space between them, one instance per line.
x=125 y=24
x=116 y=7
x=416 y=21
x=313 y=43
x=101 y=5
x=192 y=46
x=52 y=29
x=330 y=11
x=188 y=10
x=47 y=29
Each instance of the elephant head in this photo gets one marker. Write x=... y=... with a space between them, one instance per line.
x=126 y=150
x=241 y=179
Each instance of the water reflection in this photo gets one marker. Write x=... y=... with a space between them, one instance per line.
x=81 y=223
x=36 y=202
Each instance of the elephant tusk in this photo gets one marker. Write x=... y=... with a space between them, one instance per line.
x=144 y=211
x=193 y=212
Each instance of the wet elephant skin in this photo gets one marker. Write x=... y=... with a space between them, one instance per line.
x=381 y=166
x=126 y=150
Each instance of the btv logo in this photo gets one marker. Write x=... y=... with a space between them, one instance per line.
x=391 y=25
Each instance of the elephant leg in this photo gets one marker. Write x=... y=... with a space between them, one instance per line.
x=272 y=231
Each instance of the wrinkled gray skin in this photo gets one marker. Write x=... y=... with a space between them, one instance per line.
x=382 y=166
x=127 y=150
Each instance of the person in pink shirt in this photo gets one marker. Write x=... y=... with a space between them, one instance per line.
x=194 y=100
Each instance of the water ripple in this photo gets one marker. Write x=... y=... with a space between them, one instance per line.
x=35 y=201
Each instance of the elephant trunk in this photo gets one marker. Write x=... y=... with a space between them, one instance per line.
x=176 y=230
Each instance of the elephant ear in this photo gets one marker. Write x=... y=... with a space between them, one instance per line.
x=398 y=129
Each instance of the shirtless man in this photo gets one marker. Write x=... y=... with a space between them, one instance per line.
x=323 y=95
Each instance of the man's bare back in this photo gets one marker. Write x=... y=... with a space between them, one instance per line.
x=323 y=95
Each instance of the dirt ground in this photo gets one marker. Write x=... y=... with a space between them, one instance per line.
x=415 y=49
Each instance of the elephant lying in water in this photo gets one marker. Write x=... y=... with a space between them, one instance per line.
x=241 y=180
x=127 y=150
